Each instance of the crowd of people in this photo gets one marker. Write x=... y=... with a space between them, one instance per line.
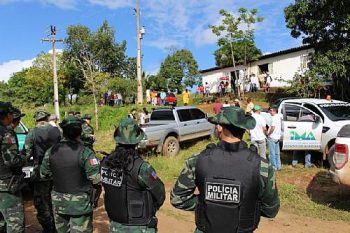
x=68 y=177
x=110 y=98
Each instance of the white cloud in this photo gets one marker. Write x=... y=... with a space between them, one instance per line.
x=63 y=4
x=13 y=66
x=113 y=4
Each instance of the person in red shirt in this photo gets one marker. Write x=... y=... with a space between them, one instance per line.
x=217 y=106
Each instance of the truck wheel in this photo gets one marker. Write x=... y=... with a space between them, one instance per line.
x=171 y=146
x=330 y=158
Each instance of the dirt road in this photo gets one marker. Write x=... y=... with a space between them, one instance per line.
x=172 y=220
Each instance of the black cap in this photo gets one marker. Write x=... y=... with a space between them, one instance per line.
x=6 y=107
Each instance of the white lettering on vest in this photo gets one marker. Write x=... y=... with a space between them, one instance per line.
x=220 y=192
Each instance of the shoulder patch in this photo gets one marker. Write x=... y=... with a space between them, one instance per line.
x=9 y=139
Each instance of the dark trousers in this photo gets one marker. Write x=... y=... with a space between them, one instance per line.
x=43 y=205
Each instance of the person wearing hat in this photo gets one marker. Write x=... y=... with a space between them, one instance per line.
x=236 y=103
x=17 y=115
x=87 y=136
x=11 y=163
x=37 y=142
x=258 y=134
x=236 y=186
x=75 y=173
x=133 y=191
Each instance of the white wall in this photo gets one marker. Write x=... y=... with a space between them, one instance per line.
x=283 y=67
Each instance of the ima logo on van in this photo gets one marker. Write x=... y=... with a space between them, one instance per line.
x=306 y=136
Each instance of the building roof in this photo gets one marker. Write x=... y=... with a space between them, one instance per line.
x=275 y=54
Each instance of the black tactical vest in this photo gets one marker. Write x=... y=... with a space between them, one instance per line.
x=68 y=174
x=228 y=179
x=126 y=202
x=44 y=138
x=5 y=171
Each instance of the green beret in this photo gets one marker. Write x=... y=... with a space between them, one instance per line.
x=70 y=120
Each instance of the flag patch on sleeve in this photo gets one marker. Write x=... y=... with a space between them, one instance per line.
x=94 y=162
x=153 y=176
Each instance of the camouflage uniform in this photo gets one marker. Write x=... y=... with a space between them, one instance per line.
x=73 y=212
x=87 y=136
x=11 y=205
x=128 y=133
x=42 y=187
x=183 y=196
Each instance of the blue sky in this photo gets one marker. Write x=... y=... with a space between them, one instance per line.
x=168 y=23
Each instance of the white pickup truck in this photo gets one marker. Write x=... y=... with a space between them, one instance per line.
x=312 y=124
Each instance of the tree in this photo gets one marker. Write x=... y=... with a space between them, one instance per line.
x=236 y=37
x=109 y=56
x=325 y=25
x=179 y=69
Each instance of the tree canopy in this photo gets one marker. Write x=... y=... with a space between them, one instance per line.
x=179 y=70
x=236 y=37
x=325 y=25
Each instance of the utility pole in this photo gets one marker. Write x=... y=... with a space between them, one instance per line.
x=53 y=40
x=139 y=34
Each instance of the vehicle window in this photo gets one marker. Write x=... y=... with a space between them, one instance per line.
x=20 y=130
x=170 y=94
x=164 y=115
x=292 y=112
x=306 y=116
x=314 y=109
x=197 y=114
x=184 y=115
x=336 y=111
x=298 y=113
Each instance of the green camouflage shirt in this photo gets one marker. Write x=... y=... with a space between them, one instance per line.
x=10 y=155
x=183 y=197
x=87 y=136
x=73 y=204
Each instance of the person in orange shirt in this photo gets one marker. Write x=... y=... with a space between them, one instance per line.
x=186 y=97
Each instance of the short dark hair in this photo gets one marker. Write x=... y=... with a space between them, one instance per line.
x=72 y=131
x=235 y=131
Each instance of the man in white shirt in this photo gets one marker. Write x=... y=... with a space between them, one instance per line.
x=274 y=136
x=258 y=134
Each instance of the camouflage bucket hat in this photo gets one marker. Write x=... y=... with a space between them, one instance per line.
x=6 y=107
x=128 y=132
x=87 y=117
x=70 y=120
x=40 y=114
x=17 y=113
x=233 y=116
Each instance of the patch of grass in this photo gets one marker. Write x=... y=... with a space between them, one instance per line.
x=169 y=168
x=296 y=200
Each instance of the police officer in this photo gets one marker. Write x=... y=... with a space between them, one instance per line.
x=38 y=141
x=17 y=116
x=235 y=184
x=133 y=191
x=11 y=163
x=87 y=137
x=75 y=171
